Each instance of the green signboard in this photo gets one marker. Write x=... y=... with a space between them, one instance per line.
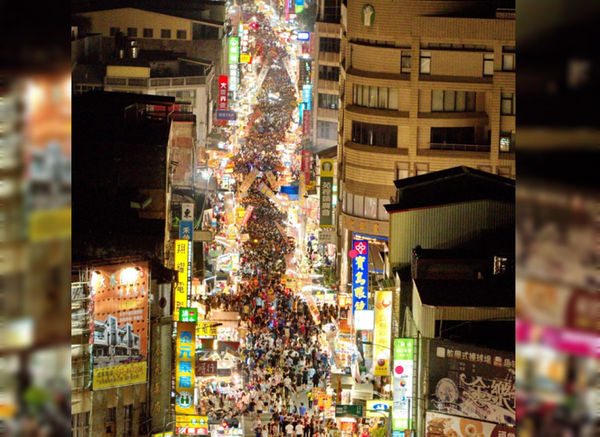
x=349 y=411
x=188 y=315
x=234 y=50
x=404 y=348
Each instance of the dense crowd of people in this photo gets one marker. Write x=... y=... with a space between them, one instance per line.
x=284 y=355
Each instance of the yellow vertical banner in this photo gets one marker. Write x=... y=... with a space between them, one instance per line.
x=181 y=265
x=383 y=328
x=185 y=363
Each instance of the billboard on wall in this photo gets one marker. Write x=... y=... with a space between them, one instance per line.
x=119 y=328
x=383 y=330
x=360 y=275
x=470 y=381
x=185 y=366
x=441 y=425
x=402 y=384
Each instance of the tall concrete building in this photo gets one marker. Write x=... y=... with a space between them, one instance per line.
x=424 y=86
x=327 y=37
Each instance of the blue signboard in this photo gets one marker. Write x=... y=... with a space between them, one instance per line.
x=303 y=36
x=307 y=95
x=226 y=114
x=301 y=108
x=360 y=275
x=186 y=230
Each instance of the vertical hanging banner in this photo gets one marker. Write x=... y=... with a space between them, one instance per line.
x=248 y=180
x=383 y=330
x=185 y=363
x=326 y=192
x=402 y=390
x=360 y=274
x=223 y=92
x=186 y=224
x=247 y=215
x=181 y=265
x=234 y=50
x=306 y=165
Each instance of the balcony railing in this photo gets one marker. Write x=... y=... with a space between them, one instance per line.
x=159 y=82
x=460 y=147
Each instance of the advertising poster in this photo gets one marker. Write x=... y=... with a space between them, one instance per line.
x=379 y=408
x=402 y=388
x=194 y=425
x=325 y=204
x=312 y=307
x=185 y=364
x=119 y=330
x=206 y=329
x=360 y=275
x=441 y=425
x=383 y=330
x=182 y=255
x=473 y=382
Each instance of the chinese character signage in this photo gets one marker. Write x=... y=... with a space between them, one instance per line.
x=206 y=329
x=182 y=254
x=307 y=96
x=234 y=50
x=306 y=123
x=119 y=328
x=306 y=164
x=194 y=425
x=443 y=425
x=360 y=275
x=185 y=363
x=383 y=330
x=223 y=92
x=325 y=204
x=206 y=368
x=186 y=230
x=188 y=315
x=473 y=382
x=402 y=384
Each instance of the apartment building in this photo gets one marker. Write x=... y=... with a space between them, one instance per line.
x=424 y=86
x=326 y=101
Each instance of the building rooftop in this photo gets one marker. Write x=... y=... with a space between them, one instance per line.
x=188 y=10
x=493 y=292
x=453 y=185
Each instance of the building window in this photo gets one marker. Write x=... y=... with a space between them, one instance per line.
x=148 y=33
x=327 y=72
x=453 y=135
x=508 y=62
x=371 y=207
x=181 y=34
x=80 y=424
x=330 y=45
x=132 y=32
x=128 y=420
x=374 y=134
x=326 y=130
x=350 y=203
x=508 y=104
x=425 y=62
x=505 y=172
x=375 y=97
x=507 y=141
x=114 y=31
x=382 y=214
x=488 y=64
x=405 y=62
x=402 y=170
x=421 y=168
x=452 y=101
x=359 y=205
x=328 y=101
x=165 y=33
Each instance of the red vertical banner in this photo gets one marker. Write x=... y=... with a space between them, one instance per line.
x=223 y=91
x=306 y=162
x=306 y=125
